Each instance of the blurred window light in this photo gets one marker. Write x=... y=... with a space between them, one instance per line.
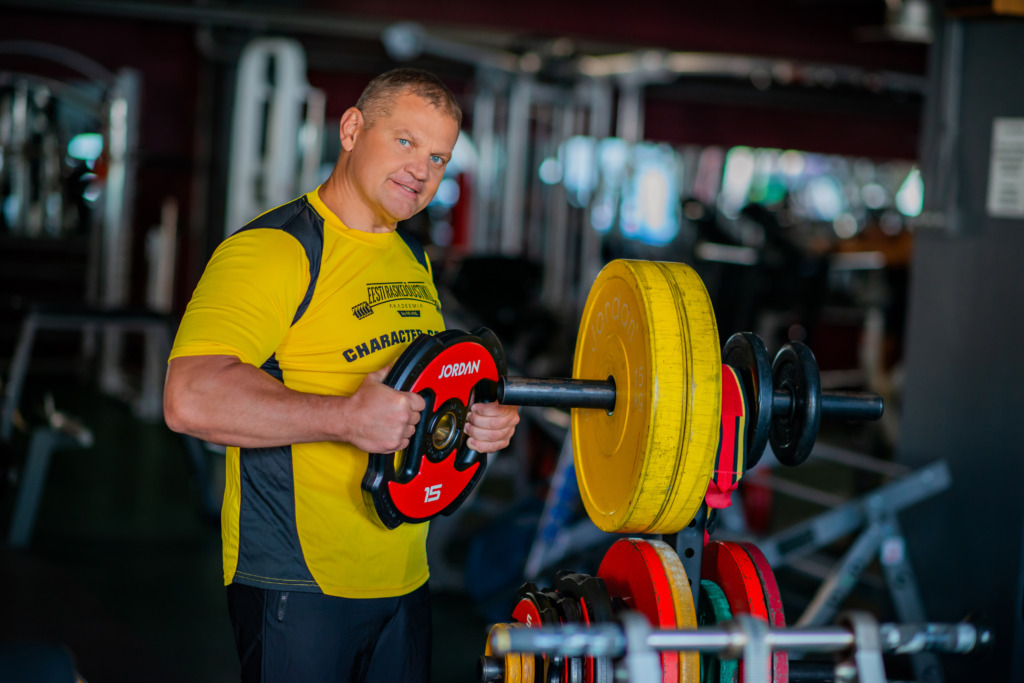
x=11 y=206
x=765 y=186
x=578 y=156
x=726 y=253
x=465 y=157
x=612 y=160
x=740 y=165
x=874 y=196
x=815 y=165
x=612 y=156
x=910 y=197
x=845 y=226
x=550 y=171
x=602 y=214
x=823 y=198
x=86 y=146
x=650 y=201
x=447 y=193
x=708 y=179
x=792 y=163
x=93 y=187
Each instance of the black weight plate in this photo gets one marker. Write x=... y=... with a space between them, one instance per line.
x=569 y=612
x=596 y=607
x=746 y=353
x=795 y=372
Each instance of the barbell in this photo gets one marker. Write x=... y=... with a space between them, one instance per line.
x=646 y=400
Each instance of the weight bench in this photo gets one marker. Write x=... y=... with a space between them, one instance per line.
x=155 y=326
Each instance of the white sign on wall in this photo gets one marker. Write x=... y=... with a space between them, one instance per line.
x=1006 y=169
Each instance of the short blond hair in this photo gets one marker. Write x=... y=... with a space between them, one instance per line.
x=380 y=93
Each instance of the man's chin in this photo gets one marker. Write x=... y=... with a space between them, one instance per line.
x=405 y=213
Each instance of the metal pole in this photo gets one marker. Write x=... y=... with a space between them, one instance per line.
x=481 y=238
x=118 y=210
x=511 y=243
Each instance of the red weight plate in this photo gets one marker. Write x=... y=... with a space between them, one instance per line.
x=533 y=610
x=773 y=602
x=632 y=570
x=452 y=374
x=526 y=612
x=729 y=565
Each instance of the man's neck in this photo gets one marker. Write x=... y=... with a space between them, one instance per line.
x=346 y=203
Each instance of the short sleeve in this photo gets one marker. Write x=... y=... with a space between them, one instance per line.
x=247 y=297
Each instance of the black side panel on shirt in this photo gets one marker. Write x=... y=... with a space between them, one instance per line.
x=269 y=552
x=415 y=247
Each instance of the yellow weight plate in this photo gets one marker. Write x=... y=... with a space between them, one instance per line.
x=682 y=598
x=703 y=379
x=513 y=660
x=644 y=467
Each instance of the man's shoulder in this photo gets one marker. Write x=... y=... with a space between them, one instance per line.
x=295 y=215
x=298 y=219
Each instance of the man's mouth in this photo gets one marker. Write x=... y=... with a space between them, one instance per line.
x=407 y=188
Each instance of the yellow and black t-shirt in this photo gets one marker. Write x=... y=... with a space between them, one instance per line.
x=318 y=306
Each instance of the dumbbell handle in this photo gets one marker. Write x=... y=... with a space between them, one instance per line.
x=842 y=405
x=589 y=393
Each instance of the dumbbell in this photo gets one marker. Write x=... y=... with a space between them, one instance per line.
x=787 y=398
x=646 y=395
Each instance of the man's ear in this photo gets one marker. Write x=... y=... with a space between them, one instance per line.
x=352 y=124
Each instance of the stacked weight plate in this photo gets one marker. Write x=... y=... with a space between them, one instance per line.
x=644 y=467
x=740 y=574
x=647 y=576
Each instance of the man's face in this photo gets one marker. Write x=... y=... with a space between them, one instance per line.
x=399 y=160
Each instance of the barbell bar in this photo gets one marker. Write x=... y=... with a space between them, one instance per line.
x=609 y=639
x=600 y=394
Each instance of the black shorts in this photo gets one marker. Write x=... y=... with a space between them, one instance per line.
x=286 y=636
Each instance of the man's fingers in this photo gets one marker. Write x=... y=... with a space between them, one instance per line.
x=378 y=375
x=502 y=420
x=491 y=409
x=416 y=403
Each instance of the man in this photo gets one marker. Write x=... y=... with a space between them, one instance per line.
x=281 y=356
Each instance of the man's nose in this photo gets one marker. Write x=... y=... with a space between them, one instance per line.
x=419 y=167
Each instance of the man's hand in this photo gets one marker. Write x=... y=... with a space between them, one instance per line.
x=381 y=419
x=490 y=426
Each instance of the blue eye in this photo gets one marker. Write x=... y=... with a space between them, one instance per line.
x=403 y=142
x=436 y=159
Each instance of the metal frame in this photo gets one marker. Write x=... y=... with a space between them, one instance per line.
x=157 y=328
x=874 y=516
x=44 y=441
x=858 y=641
x=269 y=116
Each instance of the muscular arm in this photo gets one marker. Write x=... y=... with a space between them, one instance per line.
x=223 y=400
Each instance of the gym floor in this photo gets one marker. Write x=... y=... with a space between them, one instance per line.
x=124 y=567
